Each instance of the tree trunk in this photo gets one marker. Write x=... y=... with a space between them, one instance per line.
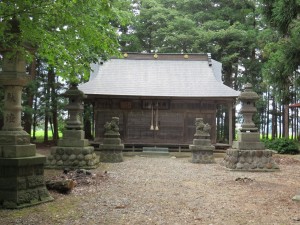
x=47 y=109
x=53 y=96
x=274 y=119
x=297 y=124
x=280 y=120
x=286 y=121
x=29 y=101
x=46 y=139
x=34 y=119
x=233 y=122
x=1 y=105
x=87 y=120
x=228 y=72
x=268 y=113
x=62 y=186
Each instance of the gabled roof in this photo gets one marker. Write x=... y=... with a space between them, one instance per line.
x=159 y=75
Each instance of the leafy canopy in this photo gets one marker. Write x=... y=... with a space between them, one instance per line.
x=68 y=34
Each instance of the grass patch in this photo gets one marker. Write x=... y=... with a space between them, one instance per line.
x=39 y=135
x=64 y=207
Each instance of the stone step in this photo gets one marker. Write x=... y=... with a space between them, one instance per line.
x=156 y=150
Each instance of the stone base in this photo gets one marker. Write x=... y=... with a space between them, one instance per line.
x=111 y=156
x=202 y=156
x=250 y=160
x=111 y=151
x=248 y=141
x=248 y=145
x=72 y=157
x=16 y=144
x=159 y=151
x=73 y=138
x=22 y=182
x=296 y=198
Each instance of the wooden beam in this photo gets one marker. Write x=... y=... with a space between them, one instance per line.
x=230 y=123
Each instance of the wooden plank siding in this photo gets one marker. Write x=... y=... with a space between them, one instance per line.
x=176 y=119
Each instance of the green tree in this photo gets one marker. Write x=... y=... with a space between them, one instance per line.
x=282 y=50
x=227 y=29
x=65 y=35
x=69 y=35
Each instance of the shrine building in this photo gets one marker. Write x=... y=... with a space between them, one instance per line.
x=157 y=97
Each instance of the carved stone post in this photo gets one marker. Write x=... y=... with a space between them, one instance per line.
x=111 y=149
x=73 y=151
x=248 y=153
x=202 y=150
x=21 y=169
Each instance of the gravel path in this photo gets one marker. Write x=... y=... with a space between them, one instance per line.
x=165 y=190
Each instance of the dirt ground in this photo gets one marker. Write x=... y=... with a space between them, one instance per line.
x=171 y=190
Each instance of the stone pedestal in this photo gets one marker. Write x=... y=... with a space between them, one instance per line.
x=250 y=160
x=22 y=182
x=248 y=141
x=248 y=153
x=202 y=150
x=73 y=151
x=21 y=169
x=111 y=151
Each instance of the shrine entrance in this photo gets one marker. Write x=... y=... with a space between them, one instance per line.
x=156 y=122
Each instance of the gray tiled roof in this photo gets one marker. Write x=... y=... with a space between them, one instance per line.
x=157 y=78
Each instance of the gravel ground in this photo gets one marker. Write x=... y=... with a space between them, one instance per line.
x=169 y=190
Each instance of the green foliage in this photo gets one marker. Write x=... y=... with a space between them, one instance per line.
x=282 y=145
x=281 y=49
x=226 y=29
x=69 y=35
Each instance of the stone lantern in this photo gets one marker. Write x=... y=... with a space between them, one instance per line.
x=75 y=108
x=73 y=151
x=21 y=168
x=248 y=99
x=248 y=135
x=248 y=153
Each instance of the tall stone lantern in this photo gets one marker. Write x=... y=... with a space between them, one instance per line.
x=21 y=168
x=75 y=108
x=248 y=135
x=248 y=153
x=73 y=151
x=248 y=99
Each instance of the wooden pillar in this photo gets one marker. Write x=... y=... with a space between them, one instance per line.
x=230 y=116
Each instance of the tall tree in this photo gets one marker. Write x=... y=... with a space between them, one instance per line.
x=282 y=54
x=67 y=35
x=227 y=29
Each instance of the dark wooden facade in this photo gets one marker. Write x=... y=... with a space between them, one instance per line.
x=174 y=117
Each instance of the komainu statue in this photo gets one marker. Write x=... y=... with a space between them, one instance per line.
x=112 y=127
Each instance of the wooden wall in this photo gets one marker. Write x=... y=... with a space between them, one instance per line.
x=176 y=119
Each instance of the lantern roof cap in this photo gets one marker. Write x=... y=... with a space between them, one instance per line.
x=74 y=91
x=248 y=93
